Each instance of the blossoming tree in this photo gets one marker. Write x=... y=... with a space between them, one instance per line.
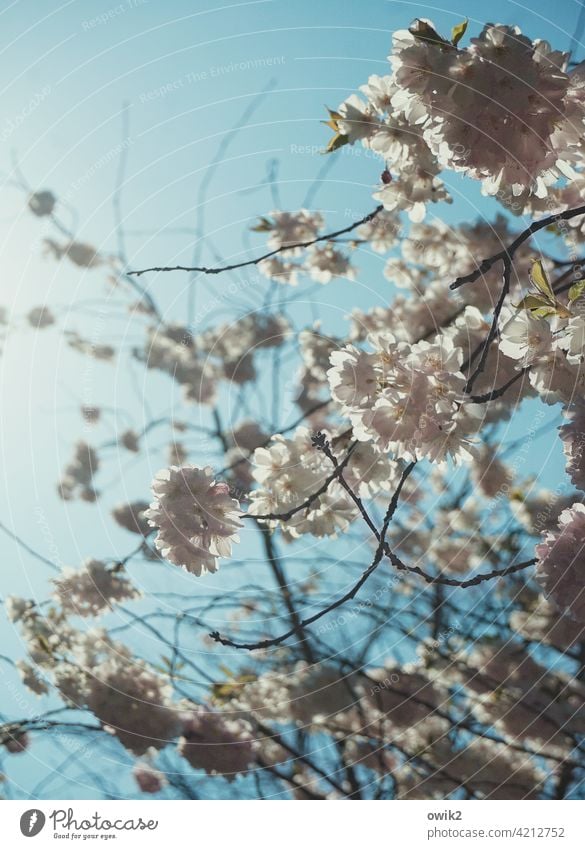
x=416 y=628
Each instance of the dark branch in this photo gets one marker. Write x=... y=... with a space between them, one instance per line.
x=508 y=253
x=494 y=325
x=351 y=593
x=285 y=517
x=453 y=582
x=218 y=270
x=416 y=570
x=497 y=393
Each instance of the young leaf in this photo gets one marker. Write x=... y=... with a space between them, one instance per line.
x=562 y=311
x=533 y=302
x=222 y=691
x=335 y=143
x=264 y=226
x=44 y=643
x=540 y=307
x=545 y=312
x=458 y=32
x=576 y=290
x=338 y=140
x=334 y=117
x=540 y=281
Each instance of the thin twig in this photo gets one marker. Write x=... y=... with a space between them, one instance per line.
x=497 y=393
x=508 y=253
x=416 y=570
x=494 y=325
x=218 y=270
x=453 y=582
x=285 y=517
x=351 y=593
x=41 y=558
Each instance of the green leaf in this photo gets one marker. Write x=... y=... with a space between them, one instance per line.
x=562 y=311
x=336 y=142
x=546 y=303
x=533 y=302
x=540 y=306
x=44 y=643
x=540 y=281
x=334 y=117
x=576 y=290
x=458 y=32
x=225 y=690
x=545 y=312
x=264 y=226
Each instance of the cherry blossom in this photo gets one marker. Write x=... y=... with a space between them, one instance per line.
x=195 y=517
x=560 y=563
x=407 y=616
x=94 y=589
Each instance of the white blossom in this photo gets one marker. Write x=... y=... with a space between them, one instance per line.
x=561 y=563
x=93 y=589
x=195 y=516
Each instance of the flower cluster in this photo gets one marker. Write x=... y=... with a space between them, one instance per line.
x=289 y=471
x=508 y=689
x=321 y=262
x=506 y=110
x=406 y=399
x=561 y=563
x=78 y=475
x=214 y=743
x=133 y=703
x=132 y=517
x=171 y=349
x=93 y=589
x=573 y=437
x=195 y=516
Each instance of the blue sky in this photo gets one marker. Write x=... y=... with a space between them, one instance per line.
x=187 y=71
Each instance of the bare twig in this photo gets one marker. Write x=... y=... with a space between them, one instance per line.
x=497 y=393
x=285 y=517
x=351 y=593
x=218 y=270
x=453 y=582
x=41 y=558
x=494 y=325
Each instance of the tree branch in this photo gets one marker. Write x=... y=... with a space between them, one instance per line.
x=508 y=253
x=351 y=593
x=497 y=393
x=218 y=270
x=285 y=517
x=494 y=325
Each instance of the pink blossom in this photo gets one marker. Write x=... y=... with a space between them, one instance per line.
x=560 y=569
x=195 y=516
